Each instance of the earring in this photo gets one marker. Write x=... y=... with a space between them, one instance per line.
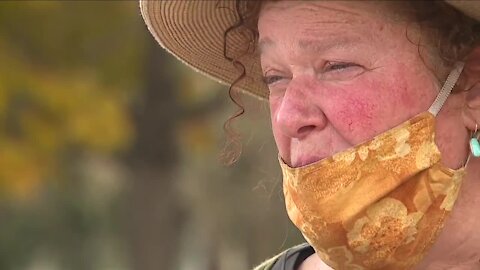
x=475 y=143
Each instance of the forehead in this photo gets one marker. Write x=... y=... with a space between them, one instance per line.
x=349 y=21
x=333 y=11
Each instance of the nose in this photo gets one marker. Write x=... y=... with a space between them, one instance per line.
x=299 y=112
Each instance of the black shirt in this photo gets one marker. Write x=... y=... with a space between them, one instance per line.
x=293 y=257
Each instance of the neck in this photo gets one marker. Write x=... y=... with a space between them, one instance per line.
x=459 y=243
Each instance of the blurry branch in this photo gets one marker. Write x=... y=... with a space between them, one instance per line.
x=156 y=213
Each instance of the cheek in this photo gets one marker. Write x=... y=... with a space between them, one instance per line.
x=354 y=117
x=281 y=140
x=413 y=95
x=274 y=105
x=361 y=111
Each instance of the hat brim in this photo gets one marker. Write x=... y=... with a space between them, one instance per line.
x=193 y=31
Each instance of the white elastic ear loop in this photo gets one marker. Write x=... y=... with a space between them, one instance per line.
x=445 y=92
x=446 y=88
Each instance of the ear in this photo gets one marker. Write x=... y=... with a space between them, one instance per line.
x=470 y=82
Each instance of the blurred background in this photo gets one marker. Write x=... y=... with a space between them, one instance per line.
x=109 y=151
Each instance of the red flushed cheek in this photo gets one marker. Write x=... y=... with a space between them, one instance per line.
x=367 y=108
x=354 y=117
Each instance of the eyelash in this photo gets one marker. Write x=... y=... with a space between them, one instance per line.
x=330 y=67
x=268 y=79
x=338 y=65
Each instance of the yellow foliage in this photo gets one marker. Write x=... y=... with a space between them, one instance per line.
x=21 y=169
x=46 y=108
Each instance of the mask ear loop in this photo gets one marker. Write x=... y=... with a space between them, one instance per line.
x=446 y=88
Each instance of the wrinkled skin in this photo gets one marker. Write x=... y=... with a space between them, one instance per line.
x=340 y=73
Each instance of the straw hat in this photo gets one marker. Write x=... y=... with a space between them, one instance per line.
x=193 y=31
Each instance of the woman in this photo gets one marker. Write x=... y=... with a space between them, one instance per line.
x=373 y=147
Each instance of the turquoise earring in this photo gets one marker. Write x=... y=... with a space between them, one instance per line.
x=475 y=143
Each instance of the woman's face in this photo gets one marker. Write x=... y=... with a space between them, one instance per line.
x=340 y=73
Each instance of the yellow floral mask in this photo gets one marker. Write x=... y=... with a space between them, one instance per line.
x=380 y=204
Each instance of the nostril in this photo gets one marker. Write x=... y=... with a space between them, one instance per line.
x=305 y=130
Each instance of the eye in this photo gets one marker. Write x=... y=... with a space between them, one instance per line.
x=341 y=71
x=268 y=80
x=335 y=66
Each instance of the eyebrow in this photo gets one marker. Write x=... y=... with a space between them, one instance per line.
x=315 y=45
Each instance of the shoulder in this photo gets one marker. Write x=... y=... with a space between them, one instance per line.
x=289 y=259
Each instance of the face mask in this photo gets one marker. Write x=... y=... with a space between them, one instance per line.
x=380 y=204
